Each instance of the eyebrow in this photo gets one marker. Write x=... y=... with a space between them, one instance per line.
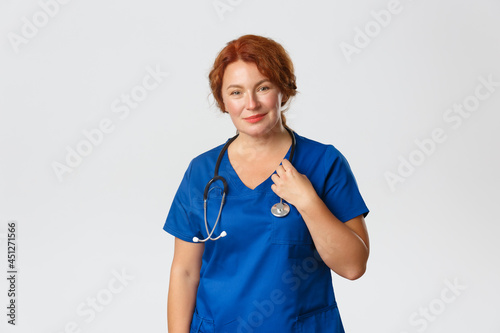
x=238 y=86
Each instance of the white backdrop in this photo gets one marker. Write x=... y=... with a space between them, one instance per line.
x=104 y=103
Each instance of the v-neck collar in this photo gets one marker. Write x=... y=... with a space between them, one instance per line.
x=238 y=185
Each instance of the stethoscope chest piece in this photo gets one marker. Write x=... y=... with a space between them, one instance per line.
x=280 y=209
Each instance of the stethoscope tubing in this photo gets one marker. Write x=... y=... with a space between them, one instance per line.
x=279 y=210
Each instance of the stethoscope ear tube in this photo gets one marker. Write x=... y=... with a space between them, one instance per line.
x=294 y=143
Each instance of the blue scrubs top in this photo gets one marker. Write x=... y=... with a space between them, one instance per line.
x=265 y=275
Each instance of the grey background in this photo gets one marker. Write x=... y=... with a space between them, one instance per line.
x=78 y=231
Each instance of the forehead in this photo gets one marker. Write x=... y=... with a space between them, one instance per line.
x=241 y=72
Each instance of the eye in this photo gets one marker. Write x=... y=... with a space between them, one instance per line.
x=235 y=93
x=264 y=88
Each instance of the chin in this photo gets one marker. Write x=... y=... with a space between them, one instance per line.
x=255 y=130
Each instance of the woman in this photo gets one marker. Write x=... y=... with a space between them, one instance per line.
x=270 y=273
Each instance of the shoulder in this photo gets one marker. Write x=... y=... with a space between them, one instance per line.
x=323 y=151
x=208 y=156
x=203 y=165
x=201 y=169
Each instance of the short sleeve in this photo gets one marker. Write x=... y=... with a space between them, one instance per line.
x=341 y=193
x=178 y=222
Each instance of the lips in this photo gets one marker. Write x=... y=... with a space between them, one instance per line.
x=255 y=118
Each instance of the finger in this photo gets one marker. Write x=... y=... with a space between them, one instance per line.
x=287 y=165
x=280 y=170
x=275 y=178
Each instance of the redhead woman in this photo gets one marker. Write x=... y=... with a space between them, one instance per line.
x=262 y=220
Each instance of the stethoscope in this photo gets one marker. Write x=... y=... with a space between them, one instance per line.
x=280 y=209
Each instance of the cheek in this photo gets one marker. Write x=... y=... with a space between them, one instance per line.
x=232 y=106
x=273 y=102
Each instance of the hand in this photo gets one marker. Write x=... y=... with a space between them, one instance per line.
x=291 y=185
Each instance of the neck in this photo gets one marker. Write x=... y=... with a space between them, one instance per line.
x=255 y=146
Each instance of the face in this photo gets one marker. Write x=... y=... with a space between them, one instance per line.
x=252 y=101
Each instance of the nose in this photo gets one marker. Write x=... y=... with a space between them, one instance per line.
x=252 y=102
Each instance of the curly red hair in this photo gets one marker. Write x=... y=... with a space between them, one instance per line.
x=270 y=57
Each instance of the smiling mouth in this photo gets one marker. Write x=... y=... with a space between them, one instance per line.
x=257 y=116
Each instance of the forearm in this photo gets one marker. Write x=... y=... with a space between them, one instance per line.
x=339 y=246
x=181 y=300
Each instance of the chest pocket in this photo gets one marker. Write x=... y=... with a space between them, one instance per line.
x=290 y=229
